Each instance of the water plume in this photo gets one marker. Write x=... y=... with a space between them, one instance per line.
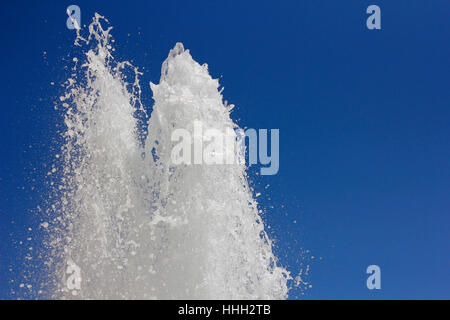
x=129 y=223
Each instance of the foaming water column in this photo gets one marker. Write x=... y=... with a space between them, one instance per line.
x=136 y=225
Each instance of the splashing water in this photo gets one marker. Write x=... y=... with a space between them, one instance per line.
x=134 y=224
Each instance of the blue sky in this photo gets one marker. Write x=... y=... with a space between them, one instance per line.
x=363 y=118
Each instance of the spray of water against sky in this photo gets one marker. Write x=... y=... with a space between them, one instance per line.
x=127 y=220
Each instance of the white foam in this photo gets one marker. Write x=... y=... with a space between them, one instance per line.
x=136 y=225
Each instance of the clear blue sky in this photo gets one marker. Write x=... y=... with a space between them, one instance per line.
x=363 y=118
